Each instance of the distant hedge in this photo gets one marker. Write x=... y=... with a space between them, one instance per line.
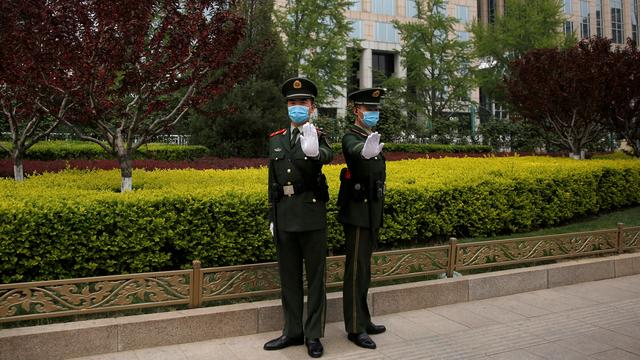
x=75 y=224
x=427 y=148
x=67 y=150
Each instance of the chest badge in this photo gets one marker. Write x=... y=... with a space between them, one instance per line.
x=277 y=149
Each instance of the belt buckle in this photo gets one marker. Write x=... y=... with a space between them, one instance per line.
x=288 y=190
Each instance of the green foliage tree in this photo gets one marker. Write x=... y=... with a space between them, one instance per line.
x=316 y=38
x=525 y=25
x=438 y=80
x=238 y=122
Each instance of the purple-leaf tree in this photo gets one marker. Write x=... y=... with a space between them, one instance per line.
x=145 y=63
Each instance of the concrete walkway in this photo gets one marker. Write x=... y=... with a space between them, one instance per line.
x=594 y=320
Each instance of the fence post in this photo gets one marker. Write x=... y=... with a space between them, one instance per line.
x=453 y=251
x=619 y=240
x=196 y=285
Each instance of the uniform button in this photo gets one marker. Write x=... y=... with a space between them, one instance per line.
x=288 y=170
x=365 y=200
x=314 y=200
x=276 y=158
x=305 y=158
x=375 y=158
x=288 y=182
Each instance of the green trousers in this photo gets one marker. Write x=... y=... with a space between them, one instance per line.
x=293 y=248
x=357 y=278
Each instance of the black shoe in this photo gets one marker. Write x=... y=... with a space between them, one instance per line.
x=314 y=347
x=283 y=342
x=373 y=329
x=362 y=340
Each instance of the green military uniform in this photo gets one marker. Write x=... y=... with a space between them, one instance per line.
x=360 y=201
x=298 y=194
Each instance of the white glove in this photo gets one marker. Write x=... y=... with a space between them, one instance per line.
x=372 y=147
x=309 y=140
x=271 y=228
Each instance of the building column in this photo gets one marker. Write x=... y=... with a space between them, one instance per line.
x=366 y=74
x=627 y=15
x=606 y=19
x=499 y=7
x=399 y=70
x=483 y=12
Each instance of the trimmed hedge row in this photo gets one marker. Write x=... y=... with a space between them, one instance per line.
x=56 y=150
x=427 y=148
x=75 y=224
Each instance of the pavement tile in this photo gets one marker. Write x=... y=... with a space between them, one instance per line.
x=585 y=346
x=554 y=351
x=515 y=355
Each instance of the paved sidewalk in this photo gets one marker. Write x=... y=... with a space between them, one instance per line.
x=595 y=320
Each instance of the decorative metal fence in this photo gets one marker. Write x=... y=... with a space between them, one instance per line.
x=47 y=299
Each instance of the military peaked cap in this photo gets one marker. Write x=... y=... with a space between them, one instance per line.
x=371 y=96
x=299 y=88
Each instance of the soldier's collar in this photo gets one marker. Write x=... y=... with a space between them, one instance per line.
x=360 y=130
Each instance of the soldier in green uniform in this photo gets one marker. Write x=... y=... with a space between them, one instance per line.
x=298 y=194
x=360 y=201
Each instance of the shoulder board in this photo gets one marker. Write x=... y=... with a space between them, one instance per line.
x=281 y=131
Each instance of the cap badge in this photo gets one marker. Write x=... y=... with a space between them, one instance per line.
x=297 y=84
x=376 y=93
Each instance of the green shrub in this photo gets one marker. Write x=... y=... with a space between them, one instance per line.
x=427 y=148
x=67 y=150
x=75 y=224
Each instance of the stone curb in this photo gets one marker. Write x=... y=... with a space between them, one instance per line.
x=92 y=337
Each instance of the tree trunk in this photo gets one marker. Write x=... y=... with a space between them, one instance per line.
x=126 y=171
x=126 y=163
x=18 y=169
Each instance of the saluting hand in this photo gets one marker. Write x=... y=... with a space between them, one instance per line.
x=372 y=146
x=309 y=140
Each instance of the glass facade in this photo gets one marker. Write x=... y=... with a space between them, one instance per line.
x=463 y=13
x=634 y=21
x=599 y=31
x=356 y=5
x=411 y=10
x=383 y=66
x=464 y=36
x=384 y=7
x=356 y=30
x=617 y=30
x=585 y=19
x=386 y=32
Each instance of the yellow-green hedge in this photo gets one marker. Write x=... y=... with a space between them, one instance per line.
x=75 y=224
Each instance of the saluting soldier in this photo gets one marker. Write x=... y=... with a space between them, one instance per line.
x=360 y=201
x=298 y=194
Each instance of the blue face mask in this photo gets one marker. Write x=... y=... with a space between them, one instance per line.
x=371 y=118
x=298 y=113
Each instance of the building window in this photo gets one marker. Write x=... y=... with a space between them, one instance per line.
x=383 y=66
x=634 y=22
x=356 y=5
x=617 y=32
x=585 y=22
x=442 y=8
x=411 y=10
x=385 y=7
x=386 y=32
x=567 y=7
x=464 y=36
x=492 y=11
x=463 y=14
x=599 y=18
x=568 y=27
x=356 y=29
